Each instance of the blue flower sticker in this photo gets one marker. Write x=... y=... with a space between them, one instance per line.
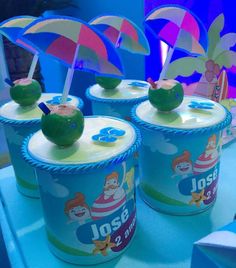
x=57 y=100
x=201 y=105
x=108 y=135
x=137 y=84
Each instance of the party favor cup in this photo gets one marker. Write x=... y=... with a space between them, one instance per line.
x=18 y=123
x=117 y=102
x=87 y=190
x=180 y=155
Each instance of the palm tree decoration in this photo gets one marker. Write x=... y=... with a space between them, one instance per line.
x=217 y=57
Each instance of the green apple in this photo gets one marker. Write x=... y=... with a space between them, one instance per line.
x=25 y=91
x=167 y=95
x=108 y=82
x=64 y=125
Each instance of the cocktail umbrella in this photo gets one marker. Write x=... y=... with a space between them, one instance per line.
x=11 y=28
x=180 y=29
x=76 y=44
x=123 y=33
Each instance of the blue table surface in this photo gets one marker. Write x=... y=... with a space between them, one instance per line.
x=160 y=241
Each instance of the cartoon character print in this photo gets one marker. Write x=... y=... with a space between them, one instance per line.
x=209 y=158
x=182 y=165
x=198 y=198
x=102 y=246
x=77 y=209
x=112 y=198
x=206 y=161
x=129 y=179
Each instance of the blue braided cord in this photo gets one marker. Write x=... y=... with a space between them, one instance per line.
x=81 y=168
x=176 y=131
x=80 y=104
x=104 y=100
x=14 y=122
x=35 y=121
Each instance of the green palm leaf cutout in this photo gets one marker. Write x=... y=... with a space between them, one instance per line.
x=69 y=250
x=214 y=34
x=226 y=59
x=160 y=197
x=185 y=67
x=226 y=42
x=228 y=103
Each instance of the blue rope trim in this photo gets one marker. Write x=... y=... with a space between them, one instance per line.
x=185 y=132
x=80 y=168
x=80 y=104
x=15 y=122
x=124 y=101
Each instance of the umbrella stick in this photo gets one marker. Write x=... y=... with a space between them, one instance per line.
x=33 y=66
x=117 y=45
x=167 y=62
x=67 y=85
x=69 y=77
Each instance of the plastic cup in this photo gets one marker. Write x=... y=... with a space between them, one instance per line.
x=87 y=190
x=117 y=102
x=18 y=123
x=180 y=155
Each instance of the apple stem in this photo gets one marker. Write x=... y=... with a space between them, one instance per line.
x=9 y=82
x=153 y=84
x=44 y=108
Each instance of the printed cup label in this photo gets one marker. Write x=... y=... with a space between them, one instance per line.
x=195 y=185
x=119 y=226
x=189 y=177
x=104 y=223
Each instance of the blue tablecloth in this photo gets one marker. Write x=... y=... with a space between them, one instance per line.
x=160 y=241
x=4 y=261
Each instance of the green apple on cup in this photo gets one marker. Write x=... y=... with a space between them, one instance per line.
x=166 y=94
x=107 y=82
x=25 y=91
x=63 y=124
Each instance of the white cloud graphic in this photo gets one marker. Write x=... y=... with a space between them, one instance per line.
x=161 y=144
x=112 y=112
x=55 y=189
x=13 y=136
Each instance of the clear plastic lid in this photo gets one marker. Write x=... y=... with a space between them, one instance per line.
x=88 y=149
x=193 y=113
x=128 y=89
x=14 y=111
